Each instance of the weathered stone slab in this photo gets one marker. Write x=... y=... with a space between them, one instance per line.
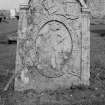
x=53 y=45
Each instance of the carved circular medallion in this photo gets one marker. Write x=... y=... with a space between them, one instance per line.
x=53 y=48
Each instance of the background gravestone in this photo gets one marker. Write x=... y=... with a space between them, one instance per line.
x=53 y=49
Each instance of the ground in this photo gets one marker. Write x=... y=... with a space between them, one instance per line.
x=76 y=95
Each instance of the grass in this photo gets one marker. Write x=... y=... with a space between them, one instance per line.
x=7 y=52
x=76 y=95
x=7 y=29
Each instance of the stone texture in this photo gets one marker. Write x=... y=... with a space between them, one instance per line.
x=85 y=46
x=53 y=45
x=97 y=8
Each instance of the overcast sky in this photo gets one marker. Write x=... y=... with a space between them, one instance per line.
x=10 y=4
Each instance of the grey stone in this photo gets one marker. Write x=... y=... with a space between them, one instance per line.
x=53 y=49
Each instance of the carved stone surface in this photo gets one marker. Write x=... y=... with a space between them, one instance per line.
x=51 y=48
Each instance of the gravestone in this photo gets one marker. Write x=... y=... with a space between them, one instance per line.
x=53 y=46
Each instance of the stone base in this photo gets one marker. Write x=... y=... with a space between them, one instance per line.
x=41 y=83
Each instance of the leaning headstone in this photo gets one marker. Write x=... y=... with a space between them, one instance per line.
x=53 y=46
